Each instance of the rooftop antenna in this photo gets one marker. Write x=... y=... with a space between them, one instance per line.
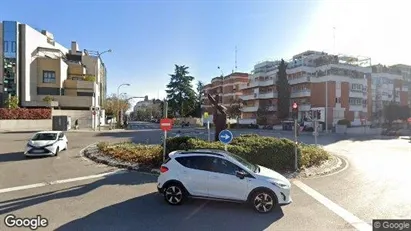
x=235 y=59
x=334 y=39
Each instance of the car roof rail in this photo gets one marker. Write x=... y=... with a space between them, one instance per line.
x=204 y=151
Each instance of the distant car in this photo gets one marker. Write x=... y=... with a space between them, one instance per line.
x=46 y=143
x=221 y=175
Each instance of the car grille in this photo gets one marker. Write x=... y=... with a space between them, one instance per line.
x=38 y=151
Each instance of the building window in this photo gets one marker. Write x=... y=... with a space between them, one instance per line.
x=49 y=77
x=355 y=101
x=6 y=46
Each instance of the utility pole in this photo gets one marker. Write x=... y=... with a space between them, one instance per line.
x=165 y=115
x=97 y=116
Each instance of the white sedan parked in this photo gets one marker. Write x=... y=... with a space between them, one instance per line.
x=46 y=143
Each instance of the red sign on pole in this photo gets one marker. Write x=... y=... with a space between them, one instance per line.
x=166 y=124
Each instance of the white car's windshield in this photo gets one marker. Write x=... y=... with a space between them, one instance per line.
x=244 y=162
x=44 y=136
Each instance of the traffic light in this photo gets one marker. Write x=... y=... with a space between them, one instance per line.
x=295 y=110
x=318 y=115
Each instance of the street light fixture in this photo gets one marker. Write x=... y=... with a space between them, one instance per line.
x=98 y=54
x=222 y=88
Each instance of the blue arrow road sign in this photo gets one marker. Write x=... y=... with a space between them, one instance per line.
x=225 y=136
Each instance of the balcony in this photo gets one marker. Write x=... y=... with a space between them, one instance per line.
x=304 y=107
x=356 y=94
x=264 y=83
x=299 y=94
x=268 y=95
x=258 y=83
x=299 y=80
x=249 y=109
x=356 y=107
x=78 y=84
x=247 y=97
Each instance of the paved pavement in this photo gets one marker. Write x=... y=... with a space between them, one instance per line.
x=74 y=194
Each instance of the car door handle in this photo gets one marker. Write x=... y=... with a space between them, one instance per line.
x=215 y=177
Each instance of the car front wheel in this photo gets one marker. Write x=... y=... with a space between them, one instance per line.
x=174 y=194
x=263 y=201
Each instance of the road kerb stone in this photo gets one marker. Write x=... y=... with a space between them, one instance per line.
x=91 y=152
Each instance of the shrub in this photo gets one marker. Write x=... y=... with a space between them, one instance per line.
x=145 y=155
x=274 y=153
x=344 y=122
x=271 y=152
x=312 y=155
x=25 y=113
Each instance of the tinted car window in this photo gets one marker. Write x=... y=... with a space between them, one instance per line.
x=224 y=166
x=196 y=162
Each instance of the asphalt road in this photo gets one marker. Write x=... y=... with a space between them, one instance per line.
x=72 y=193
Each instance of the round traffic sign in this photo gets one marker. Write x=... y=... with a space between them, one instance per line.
x=225 y=136
x=409 y=120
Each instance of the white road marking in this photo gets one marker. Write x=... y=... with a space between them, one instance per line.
x=341 y=212
x=38 y=185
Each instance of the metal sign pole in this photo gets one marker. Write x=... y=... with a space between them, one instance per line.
x=208 y=131
x=296 y=143
x=164 y=145
x=225 y=147
x=315 y=131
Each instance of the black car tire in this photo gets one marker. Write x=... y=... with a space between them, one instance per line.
x=174 y=194
x=263 y=201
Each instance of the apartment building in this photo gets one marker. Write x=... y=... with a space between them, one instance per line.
x=227 y=90
x=389 y=84
x=338 y=87
x=335 y=87
x=36 y=66
x=260 y=91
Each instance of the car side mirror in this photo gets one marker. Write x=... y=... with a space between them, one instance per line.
x=240 y=174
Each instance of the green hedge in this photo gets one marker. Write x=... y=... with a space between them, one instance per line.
x=271 y=152
x=274 y=153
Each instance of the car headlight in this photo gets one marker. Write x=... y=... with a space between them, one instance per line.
x=280 y=184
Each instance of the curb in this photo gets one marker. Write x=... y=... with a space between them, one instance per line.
x=342 y=164
x=98 y=158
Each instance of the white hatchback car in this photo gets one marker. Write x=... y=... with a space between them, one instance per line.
x=220 y=175
x=46 y=143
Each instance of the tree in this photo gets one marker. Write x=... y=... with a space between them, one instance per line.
x=12 y=102
x=262 y=114
x=284 y=93
x=90 y=78
x=48 y=99
x=180 y=93
x=199 y=102
x=393 y=111
x=113 y=106
x=234 y=110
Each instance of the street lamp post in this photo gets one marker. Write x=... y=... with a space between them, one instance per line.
x=98 y=115
x=222 y=88
x=118 y=99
